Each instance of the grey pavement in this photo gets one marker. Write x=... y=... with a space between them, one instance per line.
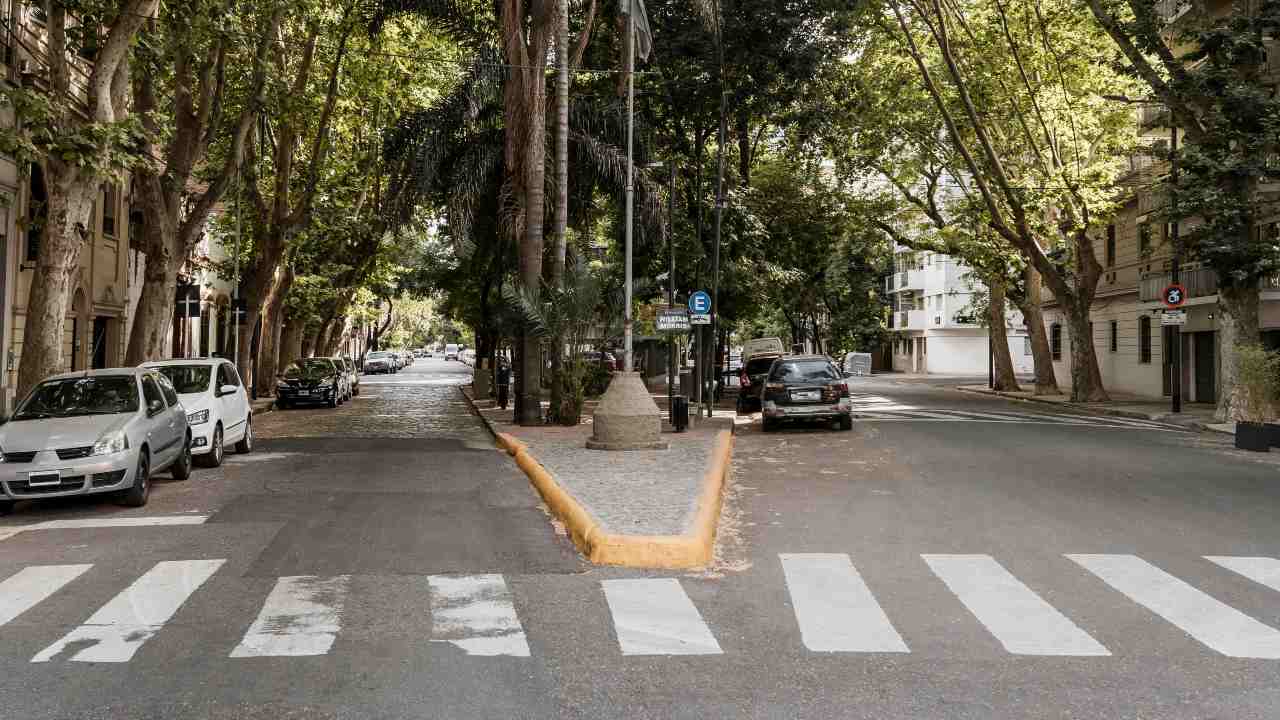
x=954 y=556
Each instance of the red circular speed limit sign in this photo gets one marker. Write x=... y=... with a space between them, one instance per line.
x=1174 y=295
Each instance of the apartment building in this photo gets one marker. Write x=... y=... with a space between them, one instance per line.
x=1135 y=354
x=95 y=334
x=934 y=327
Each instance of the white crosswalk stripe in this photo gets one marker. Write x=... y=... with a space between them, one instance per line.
x=1019 y=618
x=476 y=613
x=301 y=616
x=116 y=631
x=1216 y=624
x=656 y=617
x=881 y=409
x=1262 y=570
x=29 y=586
x=834 y=607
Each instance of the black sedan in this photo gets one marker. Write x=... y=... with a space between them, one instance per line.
x=751 y=381
x=309 y=380
x=805 y=387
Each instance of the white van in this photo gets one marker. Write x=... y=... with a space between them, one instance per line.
x=761 y=346
x=451 y=352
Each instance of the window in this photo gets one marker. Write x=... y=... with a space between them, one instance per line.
x=1144 y=239
x=804 y=371
x=37 y=213
x=1111 y=245
x=227 y=375
x=1144 y=339
x=110 y=200
x=924 y=346
x=1115 y=334
x=166 y=388
x=187 y=378
x=151 y=392
x=1055 y=340
x=1026 y=346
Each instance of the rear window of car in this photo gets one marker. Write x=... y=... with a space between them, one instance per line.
x=188 y=378
x=804 y=371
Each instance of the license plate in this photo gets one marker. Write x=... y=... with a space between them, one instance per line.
x=304 y=393
x=805 y=395
x=43 y=479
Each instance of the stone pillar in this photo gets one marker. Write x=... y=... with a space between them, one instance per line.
x=627 y=417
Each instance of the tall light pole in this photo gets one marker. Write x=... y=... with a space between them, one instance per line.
x=628 y=363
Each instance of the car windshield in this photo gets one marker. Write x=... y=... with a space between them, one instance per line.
x=309 y=367
x=188 y=378
x=803 y=371
x=98 y=395
x=379 y=355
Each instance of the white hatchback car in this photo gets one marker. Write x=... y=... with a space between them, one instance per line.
x=99 y=431
x=218 y=409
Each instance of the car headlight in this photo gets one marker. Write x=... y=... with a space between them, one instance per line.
x=197 y=418
x=112 y=443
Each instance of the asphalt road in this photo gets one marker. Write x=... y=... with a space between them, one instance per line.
x=953 y=556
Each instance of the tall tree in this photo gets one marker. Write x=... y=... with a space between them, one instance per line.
x=82 y=137
x=182 y=91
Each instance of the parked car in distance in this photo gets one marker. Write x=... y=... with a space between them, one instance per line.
x=96 y=431
x=451 y=352
x=805 y=387
x=605 y=357
x=309 y=381
x=218 y=409
x=380 y=362
x=751 y=380
x=408 y=357
x=760 y=346
x=353 y=376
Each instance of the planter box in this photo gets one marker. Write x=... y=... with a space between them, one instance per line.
x=1273 y=434
x=1252 y=436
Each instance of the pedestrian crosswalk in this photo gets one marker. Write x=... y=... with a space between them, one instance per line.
x=827 y=602
x=878 y=408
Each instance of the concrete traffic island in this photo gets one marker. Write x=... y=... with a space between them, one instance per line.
x=627 y=417
x=641 y=508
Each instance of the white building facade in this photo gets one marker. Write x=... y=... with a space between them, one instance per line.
x=935 y=329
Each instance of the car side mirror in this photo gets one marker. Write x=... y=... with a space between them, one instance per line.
x=154 y=407
x=227 y=390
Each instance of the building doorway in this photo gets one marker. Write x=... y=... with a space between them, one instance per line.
x=1205 y=353
x=101 y=326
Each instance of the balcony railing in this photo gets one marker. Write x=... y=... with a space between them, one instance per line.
x=1198 y=282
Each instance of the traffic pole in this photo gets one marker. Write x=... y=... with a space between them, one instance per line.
x=1176 y=332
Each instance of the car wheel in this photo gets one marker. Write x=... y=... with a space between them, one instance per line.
x=333 y=400
x=137 y=495
x=6 y=507
x=245 y=446
x=770 y=425
x=181 y=468
x=846 y=422
x=282 y=404
x=213 y=458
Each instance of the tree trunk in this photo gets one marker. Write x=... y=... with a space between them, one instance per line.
x=1086 y=377
x=272 y=318
x=70 y=200
x=1033 y=318
x=337 y=337
x=1237 y=325
x=531 y=248
x=311 y=340
x=291 y=341
x=1002 y=362
x=153 y=318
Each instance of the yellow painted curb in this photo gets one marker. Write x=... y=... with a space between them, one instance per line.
x=690 y=550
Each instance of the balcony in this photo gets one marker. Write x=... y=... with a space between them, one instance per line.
x=909 y=320
x=1199 y=282
x=910 y=280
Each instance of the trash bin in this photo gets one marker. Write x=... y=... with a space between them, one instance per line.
x=686 y=382
x=680 y=412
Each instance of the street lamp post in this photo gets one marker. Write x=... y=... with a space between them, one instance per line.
x=671 y=288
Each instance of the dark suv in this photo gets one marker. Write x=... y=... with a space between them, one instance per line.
x=751 y=381
x=805 y=387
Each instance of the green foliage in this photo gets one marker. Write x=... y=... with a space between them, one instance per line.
x=1257 y=383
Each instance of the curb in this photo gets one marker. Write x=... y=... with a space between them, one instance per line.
x=1190 y=424
x=690 y=550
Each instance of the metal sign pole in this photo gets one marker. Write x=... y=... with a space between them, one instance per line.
x=1176 y=333
x=235 y=289
x=627 y=361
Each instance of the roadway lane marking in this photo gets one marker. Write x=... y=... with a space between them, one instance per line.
x=475 y=613
x=834 y=607
x=105 y=522
x=1262 y=570
x=1220 y=626
x=656 y=617
x=30 y=586
x=301 y=616
x=116 y=631
x=1019 y=618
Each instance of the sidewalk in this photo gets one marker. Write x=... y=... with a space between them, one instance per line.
x=640 y=508
x=1193 y=415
